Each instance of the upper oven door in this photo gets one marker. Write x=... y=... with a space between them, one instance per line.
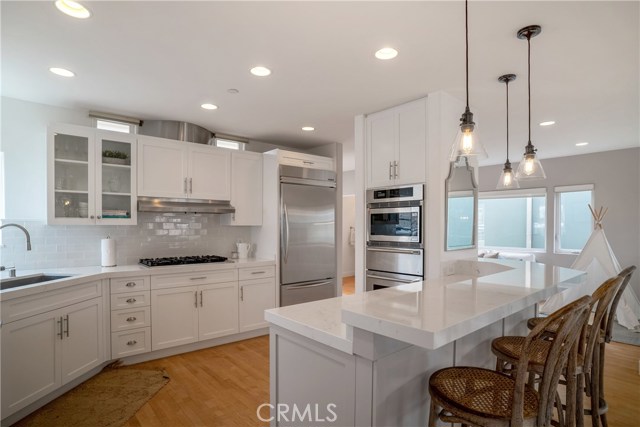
x=394 y=224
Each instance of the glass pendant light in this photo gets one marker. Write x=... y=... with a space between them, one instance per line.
x=466 y=142
x=507 y=178
x=530 y=167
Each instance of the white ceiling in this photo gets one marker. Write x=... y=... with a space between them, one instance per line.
x=163 y=59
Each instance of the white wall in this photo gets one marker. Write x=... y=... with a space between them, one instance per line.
x=348 y=221
x=349 y=183
x=616 y=179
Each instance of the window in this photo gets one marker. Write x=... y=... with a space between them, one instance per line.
x=574 y=222
x=115 y=126
x=230 y=144
x=512 y=219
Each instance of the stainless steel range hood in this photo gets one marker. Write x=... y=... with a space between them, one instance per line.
x=166 y=205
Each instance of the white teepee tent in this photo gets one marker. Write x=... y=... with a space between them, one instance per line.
x=600 y=263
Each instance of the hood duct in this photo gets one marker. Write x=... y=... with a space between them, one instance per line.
x=181 y=131
x=192 y=206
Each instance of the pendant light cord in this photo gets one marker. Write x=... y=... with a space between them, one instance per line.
x=507 y=82
x=529 y=79
x=466 y=32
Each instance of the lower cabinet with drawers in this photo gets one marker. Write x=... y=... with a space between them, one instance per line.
x=130 y=316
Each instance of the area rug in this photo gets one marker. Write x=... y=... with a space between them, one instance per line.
x=107 y=400
x=624 y=335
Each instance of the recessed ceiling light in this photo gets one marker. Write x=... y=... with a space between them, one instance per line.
x=73 y=8
x=581 y=144
x=549 y=123
x=386 y=53
x=234 y=91
x=308 y=128
x=209 y=106
x=260 y=71
x=62 y=72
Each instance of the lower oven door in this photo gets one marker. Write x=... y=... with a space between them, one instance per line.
x=395 y=260
x=380 y=280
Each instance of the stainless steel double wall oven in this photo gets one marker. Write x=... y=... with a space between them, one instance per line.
x=395 y=246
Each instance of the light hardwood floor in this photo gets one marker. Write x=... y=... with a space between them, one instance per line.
x=348 y=285
x=223 y=386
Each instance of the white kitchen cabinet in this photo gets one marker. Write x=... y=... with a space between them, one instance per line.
x=84 y=186
x=256 y=296
x=246 y=189
x=43 y=352
x=174 y=317
x=218 y=310
x=396 y=145
x=177 y=169
x=184 y=312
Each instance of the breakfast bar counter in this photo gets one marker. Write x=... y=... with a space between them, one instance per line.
x=365 y=359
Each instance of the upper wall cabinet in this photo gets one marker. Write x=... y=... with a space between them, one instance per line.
x=91 y=176
x=396 y=145
x=246 y=189
x=178 y=169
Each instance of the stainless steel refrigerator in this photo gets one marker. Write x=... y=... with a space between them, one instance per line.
x=307 y=235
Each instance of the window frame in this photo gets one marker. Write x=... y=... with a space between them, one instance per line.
x=558 y=191
x=517 y=194
x=133 y=129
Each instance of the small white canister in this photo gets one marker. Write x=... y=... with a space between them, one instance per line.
x=108 y=247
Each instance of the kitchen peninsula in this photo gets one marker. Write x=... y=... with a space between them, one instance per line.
x=367 y=357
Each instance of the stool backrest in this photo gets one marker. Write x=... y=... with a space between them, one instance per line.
x=569 y=320
x=626 y=277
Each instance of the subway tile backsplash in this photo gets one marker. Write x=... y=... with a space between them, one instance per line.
x=156 y=235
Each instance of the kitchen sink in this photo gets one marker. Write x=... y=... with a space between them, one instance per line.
x=28 y=280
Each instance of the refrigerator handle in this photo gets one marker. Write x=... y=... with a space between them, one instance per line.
x=286 y=230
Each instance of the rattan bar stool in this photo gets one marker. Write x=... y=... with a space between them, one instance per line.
x=509 y=350
x=482 y=397
x=595 y=385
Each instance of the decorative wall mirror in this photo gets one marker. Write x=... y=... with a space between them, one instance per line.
x=461 y=206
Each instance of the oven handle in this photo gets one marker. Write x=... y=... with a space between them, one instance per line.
x=390 y=279
x=396 y=250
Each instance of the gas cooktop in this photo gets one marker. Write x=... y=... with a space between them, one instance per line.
x=198 y=259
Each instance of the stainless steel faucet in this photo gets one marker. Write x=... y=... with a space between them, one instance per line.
x=12 y=270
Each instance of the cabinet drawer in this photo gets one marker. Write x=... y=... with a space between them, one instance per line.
x=122 y=320
x=130 y=299
x=130 y=284
x=256 y=272
x=132 y=342
x=200 y=278
x=307 y=161
x=19 y=308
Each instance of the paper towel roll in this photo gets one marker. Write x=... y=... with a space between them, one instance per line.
x=108 y=246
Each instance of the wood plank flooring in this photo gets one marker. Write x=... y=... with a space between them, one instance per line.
x=348 y=285
x=223 y=386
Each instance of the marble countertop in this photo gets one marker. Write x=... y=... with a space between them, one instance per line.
x=429 y=314
x=79 y=275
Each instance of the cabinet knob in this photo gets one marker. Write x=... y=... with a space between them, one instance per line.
x=130 y=284
x=131 y=300
x=99 y=217
x=132 y=342
x=131 y=319
x=91 y=217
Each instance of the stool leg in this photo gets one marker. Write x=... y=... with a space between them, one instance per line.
x=571 y=400
x=603 y=417
x=595 y=390
x=579 y=413
x=433 y=414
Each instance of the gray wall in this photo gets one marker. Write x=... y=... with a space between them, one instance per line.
x=616 y=179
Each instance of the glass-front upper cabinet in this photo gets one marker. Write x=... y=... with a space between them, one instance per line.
x=91 y=176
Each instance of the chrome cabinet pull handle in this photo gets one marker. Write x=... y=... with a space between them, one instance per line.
x=191 y=185
x=390 y=171
x=396 y=167
x=200 y=298
x=131 y=319
x=131 y=300
x=185 y=186
x=241 y=293
x=130 y=284
x=132 y=342
x=258 y=272
x=195 y=304
x=60 y=327
x=198 y=278
x=66 y=318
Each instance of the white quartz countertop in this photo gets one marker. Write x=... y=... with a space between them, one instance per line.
x=79 y=275
x=429 y=314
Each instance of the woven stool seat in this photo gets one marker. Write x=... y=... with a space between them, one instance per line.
x=509 y=348
x=483 y=392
